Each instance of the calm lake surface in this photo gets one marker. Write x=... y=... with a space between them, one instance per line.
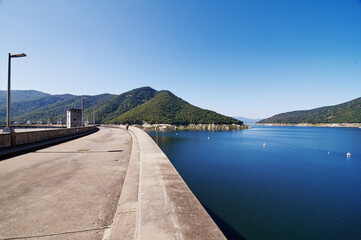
x=301 y=185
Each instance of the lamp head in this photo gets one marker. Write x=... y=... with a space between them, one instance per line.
x=18 y=55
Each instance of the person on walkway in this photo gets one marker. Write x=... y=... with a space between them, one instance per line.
x=126 y=126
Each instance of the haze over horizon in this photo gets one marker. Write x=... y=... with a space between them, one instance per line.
x=238 y=58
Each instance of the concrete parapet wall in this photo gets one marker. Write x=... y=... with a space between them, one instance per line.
x=37 y=136
x=167 y=208
x=5 y=140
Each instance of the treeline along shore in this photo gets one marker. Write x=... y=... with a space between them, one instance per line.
x=346 y=114
x=350 y=125
x=189 y=127
x=193 y=127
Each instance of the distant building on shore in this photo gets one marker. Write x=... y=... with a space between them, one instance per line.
x=73 y=117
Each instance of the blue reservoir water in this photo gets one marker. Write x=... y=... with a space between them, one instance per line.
x=301 y=185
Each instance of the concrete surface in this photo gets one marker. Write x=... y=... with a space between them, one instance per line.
x=110 y=185
x=68 y=191
x=167 y=209
x=27 y=137
x=5 y=140
x=125 y=220
x=9 y=152
x=29 y=129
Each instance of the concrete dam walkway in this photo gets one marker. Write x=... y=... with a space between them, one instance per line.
x=112 y=184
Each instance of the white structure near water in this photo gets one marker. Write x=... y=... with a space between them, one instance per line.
x=73 y=117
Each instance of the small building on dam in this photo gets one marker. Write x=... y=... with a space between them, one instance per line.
x=74 y=117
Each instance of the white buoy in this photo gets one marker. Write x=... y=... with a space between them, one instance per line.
x=208 y=138
x=264 y=144
x=348 y=154
x=328 y=152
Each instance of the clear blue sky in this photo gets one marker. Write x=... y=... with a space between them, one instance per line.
x=238 y=57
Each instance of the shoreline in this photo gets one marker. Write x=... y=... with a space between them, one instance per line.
x=192 y=127
x=344 y=125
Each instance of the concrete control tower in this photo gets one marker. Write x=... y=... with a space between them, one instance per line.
x=73 y=117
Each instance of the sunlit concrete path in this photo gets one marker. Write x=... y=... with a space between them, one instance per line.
x=68 y=191
x=167 y=208
x=110 y=185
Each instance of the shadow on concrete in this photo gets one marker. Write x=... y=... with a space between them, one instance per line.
x=228 y=231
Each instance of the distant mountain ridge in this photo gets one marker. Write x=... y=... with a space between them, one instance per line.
x=22 y=95
x=248 y=120
x=136 y=106
x=348 y=112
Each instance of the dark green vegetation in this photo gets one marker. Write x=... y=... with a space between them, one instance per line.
x=37 y=106
x=114 y=107
x=135 y=106
x=349 y=112
x=22 y=95
x=165 y=107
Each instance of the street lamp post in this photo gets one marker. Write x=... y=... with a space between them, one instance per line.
x=82 y=110
x=8 y=126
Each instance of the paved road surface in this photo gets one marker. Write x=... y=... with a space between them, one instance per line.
x=68 y=191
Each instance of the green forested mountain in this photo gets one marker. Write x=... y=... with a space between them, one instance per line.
x=135 y=106
x=23 y=106
x=34 y=105
x=349 y=112
x=22 y=95
x=114 y=107
x=57 y=110
x=165 y=107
